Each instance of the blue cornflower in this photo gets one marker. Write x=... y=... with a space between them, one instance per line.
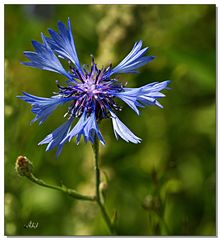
x=90 y=94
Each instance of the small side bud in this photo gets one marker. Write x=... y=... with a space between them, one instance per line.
x=23 y=166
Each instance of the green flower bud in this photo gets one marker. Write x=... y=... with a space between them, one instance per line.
x=23 y=166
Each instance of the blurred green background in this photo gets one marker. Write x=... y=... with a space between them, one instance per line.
x=163 y=186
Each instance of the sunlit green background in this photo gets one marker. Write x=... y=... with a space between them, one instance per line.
x=163 y=186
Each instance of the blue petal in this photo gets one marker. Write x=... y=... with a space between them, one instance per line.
x=143 y=96
x=77 y=129
x=121 y=130
x=156 y=86
x=91 y=129
x=44 y=58
x=129 y=96
x=87 y=127
x=43 y=107
x=55 y=138
x=150 y=93
x=63 y=43
x=133 y=60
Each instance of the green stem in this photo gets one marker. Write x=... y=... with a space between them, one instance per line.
x=165 y=225
x=63 y=188
x=111 y=227
x=95 y=147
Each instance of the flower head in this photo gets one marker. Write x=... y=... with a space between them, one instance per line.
x=90 y=94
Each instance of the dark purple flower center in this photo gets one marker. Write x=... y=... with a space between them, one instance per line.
x=91 y=92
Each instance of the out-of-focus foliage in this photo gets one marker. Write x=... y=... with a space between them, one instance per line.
x=163 y=186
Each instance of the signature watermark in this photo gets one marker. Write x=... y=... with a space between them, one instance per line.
x=31 y=225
